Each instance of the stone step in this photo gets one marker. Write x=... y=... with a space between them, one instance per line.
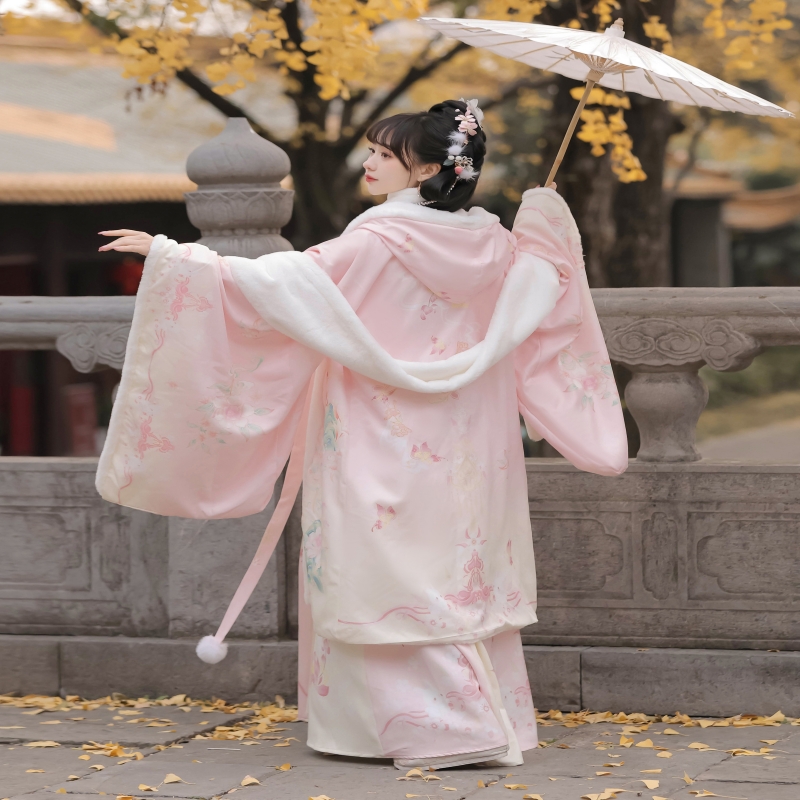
x=648 y=680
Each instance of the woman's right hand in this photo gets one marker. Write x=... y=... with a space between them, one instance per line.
x=129 y=241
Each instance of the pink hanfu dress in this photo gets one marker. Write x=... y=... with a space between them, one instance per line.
x=413 y=341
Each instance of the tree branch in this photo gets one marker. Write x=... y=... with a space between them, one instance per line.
x=413 y=75
x=513 y=88
x=186 y=76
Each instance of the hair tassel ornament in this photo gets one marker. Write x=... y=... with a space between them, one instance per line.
x=469 y=122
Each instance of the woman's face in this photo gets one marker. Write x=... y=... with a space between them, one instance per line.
x=385 y=173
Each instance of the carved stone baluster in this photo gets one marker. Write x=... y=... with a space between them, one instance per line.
x=239 y=204
x=666 y=404
x=666 y=395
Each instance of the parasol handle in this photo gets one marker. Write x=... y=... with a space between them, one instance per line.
x=592 y=79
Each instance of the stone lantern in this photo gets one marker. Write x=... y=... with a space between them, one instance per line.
x=239 y=205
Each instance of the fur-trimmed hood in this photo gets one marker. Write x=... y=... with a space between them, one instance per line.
x=421 y=238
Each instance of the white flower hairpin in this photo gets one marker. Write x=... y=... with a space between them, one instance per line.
x=469 y=122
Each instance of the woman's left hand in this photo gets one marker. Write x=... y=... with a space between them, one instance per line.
x=129 y=241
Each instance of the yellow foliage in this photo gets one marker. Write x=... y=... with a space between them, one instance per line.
x=600 y=131
x=150 y=55
x=764 y=17
x=600 y=97
x=517 y=10
x=657 y=31
x=604 y=9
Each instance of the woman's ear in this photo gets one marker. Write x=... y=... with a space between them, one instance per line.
x=428 y=171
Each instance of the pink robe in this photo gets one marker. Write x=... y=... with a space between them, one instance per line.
x=422 y=335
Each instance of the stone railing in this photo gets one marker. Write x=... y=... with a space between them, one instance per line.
x=659 y=539
x=663 y=336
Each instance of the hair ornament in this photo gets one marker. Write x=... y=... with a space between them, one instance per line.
x=472 y=106
x=468 y=123
x=468 y=126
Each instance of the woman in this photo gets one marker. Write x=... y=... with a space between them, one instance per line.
x=423 y=331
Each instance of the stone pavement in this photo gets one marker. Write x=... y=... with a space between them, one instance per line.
x=43 y=753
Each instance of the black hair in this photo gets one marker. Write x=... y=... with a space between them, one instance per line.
x=423 y=138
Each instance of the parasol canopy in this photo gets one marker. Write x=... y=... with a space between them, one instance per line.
x=607 y=59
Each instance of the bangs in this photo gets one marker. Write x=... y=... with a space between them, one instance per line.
x=399 y=134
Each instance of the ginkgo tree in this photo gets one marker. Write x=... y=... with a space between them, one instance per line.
x=345 y=63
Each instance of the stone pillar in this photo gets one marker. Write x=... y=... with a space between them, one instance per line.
x=240 y=209
x=666 y=395
x=239 y=205
x=666 y=404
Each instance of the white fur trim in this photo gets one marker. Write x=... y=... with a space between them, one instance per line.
x=210 y=650
x=298 y=298
x=472 y=220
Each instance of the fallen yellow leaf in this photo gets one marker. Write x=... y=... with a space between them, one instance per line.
x=73 y=777
x=656 y=797
x=531 y=797
x=34 y=770
x=705 y=723
x=769 y=741
x=687 y=779
x=325 y=797
x=515 y=786
x=414 y=773
x=449 y=789
x=645 y=743
x=249 y=780
x=650 y=784
x=481 y=784
x=600 y=774
x=42 y=744
x=284 y=767
x=698 y=746
x=625 y=741
x=143 y=787
x=282 y=744
x=98 y=767
x=413 y=795
x=84 y=757
x=649 y=770
x=672 y=732
x=173 y=778
x=664 y=754
x=125 y=797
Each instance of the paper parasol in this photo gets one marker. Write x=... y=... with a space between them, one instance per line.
x=607 y=59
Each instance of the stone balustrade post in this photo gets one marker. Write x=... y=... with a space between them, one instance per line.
x=666 y=404
x=239 y=205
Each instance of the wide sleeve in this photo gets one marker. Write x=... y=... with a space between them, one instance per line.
x=565 y=385
x=210 y=395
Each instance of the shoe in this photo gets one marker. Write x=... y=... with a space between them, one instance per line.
x=455 y=760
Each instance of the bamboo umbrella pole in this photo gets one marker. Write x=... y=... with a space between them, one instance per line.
x=594 y=76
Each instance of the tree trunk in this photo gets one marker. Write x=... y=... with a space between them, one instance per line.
x=624 y=227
